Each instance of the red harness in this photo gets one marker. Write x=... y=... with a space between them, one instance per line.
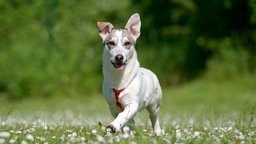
x=117 y=93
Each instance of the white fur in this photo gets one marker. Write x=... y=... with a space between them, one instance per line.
x=141 y=86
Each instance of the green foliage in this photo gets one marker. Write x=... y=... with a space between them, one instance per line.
x=229 y=60
x=52 y=47
x=177 y=35
x=49 y=47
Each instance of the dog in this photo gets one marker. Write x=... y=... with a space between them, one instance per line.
x=127 y=87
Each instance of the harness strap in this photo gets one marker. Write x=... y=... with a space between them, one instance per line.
x=117 y=93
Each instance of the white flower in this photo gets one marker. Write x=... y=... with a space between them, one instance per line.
x=2 y=140
x=178 y=134
x=191 y=121
x=251 y=133
x=101 y=139
x=117 y=139
x=126 y=135
x=83 y=139
x=62 y=137
x=215 y=138
x=68 y=131
x=126 y=129
x=45 y=127
x=72 y=139
x=187 y=131
x=5 y=134
x=103 y=128
x=241 y=136
x=110 y=140
x=236 y=131
x=196 y=134
x=24 y=142
x=163 y=132
x=30 y=137
x=166 y=140
x=18 y=132
x=32 y=129
x=74 y=134
x=94 y=132
x=12 y=141
x=177 y=126
x=109 y=134
x=42 y=138
x=188 y=137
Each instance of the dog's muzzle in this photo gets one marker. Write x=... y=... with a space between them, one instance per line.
x=119 y=63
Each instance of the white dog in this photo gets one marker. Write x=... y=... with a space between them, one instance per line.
x=127 y=87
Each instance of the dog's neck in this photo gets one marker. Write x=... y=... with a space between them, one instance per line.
x=119 y=79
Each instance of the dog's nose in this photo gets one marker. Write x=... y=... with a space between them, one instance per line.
x=119 y=57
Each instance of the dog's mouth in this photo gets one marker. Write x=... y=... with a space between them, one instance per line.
x=119 y=65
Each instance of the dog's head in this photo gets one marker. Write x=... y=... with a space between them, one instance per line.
x=120 y=43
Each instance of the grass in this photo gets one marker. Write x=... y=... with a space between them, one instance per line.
x=202 y=111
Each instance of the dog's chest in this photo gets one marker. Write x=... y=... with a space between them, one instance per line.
x=113 y=98
x=117 y=96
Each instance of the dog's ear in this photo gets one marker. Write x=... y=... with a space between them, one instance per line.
x=133 y=26
x=104 y=29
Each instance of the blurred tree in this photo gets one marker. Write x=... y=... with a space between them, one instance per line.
x=52 y=47
x=50 y=8
x=214 y=19
x=190 y=26
x=166 y=31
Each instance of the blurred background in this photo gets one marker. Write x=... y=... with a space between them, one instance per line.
x=52 y=47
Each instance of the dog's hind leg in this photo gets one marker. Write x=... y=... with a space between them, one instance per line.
x=153 y=114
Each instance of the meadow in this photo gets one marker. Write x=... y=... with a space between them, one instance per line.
x=203 y=53
x=201 y=111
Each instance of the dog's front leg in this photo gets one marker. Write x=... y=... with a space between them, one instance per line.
x=129 y=112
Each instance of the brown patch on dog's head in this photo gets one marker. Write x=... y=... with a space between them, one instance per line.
x=126 y=38
x=109 y=37
x=128 y=35
x=131 y=31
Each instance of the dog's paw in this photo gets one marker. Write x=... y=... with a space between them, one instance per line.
x=111 y=128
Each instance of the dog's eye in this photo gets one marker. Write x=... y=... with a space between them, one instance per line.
x=111 y=43
x=127 y=44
